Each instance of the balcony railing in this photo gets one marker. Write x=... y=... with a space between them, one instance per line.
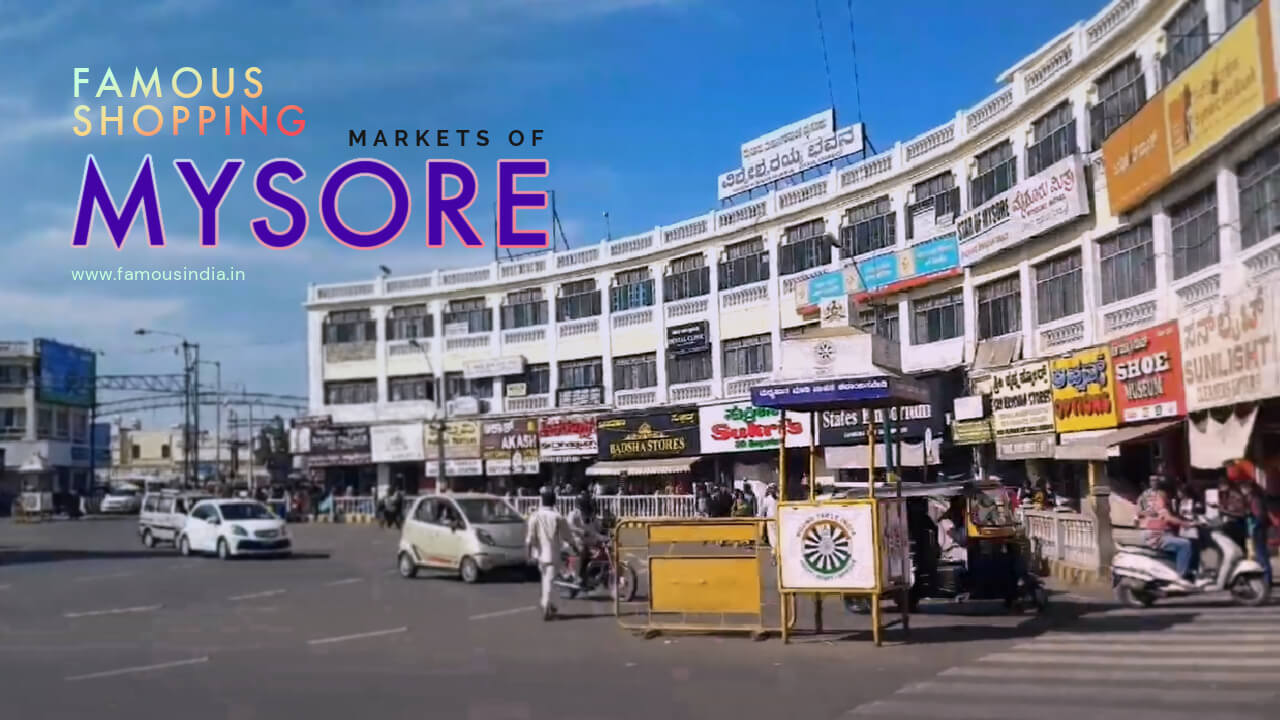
x=580 y=397
x=350 y=352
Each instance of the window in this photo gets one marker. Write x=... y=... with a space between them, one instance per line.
x=349 y=326
x=744 y=263
x=751 y=355
x=1237 y=9
x=135 y=452
x=999 y=307
x=868 y=227
x=351 y=392
x=79 y=427
x=406 y=322
x=804 y=246
x=1053 y=138
x=410 y=387
x=940 y=317
x=44 y=422
x=536 y=380
x=997 y=171
x=13 y=375
x=456 y=386
x=1127 y=264
x=1186 y=38
x=936 y=203
x=426 y=511
x=471 y=312
x=635 y=372
x=13 y=421
x=694 y=367
x=165 y=452
x=581 y=373
x=631 y=289
x=1194 y=232
x=524 y=308
x=578 y=299
x=1059 y=289
x=880 y=320
x=1122 y=90
x=61 y=424
x=687 y=277
x=1259 y=178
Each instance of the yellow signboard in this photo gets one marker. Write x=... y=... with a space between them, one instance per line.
x=1223 y=89
x=1084 y=391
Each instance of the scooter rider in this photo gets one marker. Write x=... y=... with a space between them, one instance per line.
x=1158 y=524
x=588 y=533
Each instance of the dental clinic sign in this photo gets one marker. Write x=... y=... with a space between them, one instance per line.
x=1055 y=196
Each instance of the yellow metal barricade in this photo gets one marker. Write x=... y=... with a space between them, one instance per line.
x=697 y=575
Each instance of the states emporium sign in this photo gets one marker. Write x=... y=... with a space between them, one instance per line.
x=1055 y=196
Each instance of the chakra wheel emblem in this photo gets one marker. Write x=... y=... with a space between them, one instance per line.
x=825 y=546
x=824 y=352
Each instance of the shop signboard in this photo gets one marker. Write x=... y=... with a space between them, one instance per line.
x=826 y=547
x=917 y=265
x=396 y=443
x=455 y=467
x=567 y=436
x=648 y=436
x=742 y=427
x=1229 y=350
x=1025 y=447
x=1233 y=81
x=688 y=339
x=972 y=432
x=510 y=446
x=849 y=426
x=1148 y=373
x=347 y=438
x=780 y=162
x=1054 y=196
x=67 y=374
x=461 y=440
x=493 y=367
x=1084 y=391
x=1022 y=399
x=819 y=393
x=1136 y=157
x=795 y=136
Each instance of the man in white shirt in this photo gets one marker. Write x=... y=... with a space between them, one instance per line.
x=547 y=533
x=769 y=510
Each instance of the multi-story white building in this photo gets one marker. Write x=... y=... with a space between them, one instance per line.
x=593 y=323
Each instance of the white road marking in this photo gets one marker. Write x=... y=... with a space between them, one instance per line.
x=1153 y=636
x=139 y=669
x=357 y=636
x=1044 y=645
x=112 y=611
x=503 y=613
x=109 y=576
x=251 y=596
x=1039 y=658
x=1042 y=711
x=5 y=587
x=346 y=581
x=1162 y=676
x=1092 y=692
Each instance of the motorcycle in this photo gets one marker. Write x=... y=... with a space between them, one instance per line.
x=600 y=574
x=1141 y=575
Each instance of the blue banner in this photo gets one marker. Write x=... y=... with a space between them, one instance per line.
x=880 y=273
x=67 y=374
x=841 y=393
x=826 y=287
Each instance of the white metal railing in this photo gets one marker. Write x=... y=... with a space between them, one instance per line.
x=1066 y=537
x=620 y=506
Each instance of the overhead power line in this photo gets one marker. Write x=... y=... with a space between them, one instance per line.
x=826 y=62
x=853 y=47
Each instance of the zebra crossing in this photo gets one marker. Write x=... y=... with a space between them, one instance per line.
x=1173 y=662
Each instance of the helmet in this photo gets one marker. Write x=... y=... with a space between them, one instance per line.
x=586 y=503
x=548 y=497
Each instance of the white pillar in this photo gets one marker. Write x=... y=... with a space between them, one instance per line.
x=315 y=367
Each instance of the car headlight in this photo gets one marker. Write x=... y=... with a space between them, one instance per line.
x=238 y=531
x=284 y=531
x=484 y=537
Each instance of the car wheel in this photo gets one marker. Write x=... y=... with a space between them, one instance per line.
x=224 y=550
x=469 y=570
x=184 y=546
x=148 y=539
x=408 y=568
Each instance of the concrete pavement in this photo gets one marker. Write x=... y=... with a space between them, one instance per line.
x=93 y=623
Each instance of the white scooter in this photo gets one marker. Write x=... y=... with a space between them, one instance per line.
x=1141 y=575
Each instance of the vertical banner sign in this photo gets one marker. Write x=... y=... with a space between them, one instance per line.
x=1148 y=368
x=1084 y=391
x=1022 y=400
x=1229 y=351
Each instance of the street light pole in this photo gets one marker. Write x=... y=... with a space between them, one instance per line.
x=217 y=428
x=190 y=403
x=442 y=414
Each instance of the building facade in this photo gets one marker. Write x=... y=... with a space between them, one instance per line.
x=1036 y=226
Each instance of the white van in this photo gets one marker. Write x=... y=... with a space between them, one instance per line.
x=164 y=514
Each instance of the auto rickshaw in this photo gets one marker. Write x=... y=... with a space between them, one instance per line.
x=984 y=557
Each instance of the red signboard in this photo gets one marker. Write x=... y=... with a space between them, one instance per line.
x=1149 y=374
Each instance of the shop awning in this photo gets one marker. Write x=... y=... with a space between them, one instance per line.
x=661 y=466
x=1213 y=442
x=1097 y=447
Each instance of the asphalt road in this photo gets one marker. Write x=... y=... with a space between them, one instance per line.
x=94 y=625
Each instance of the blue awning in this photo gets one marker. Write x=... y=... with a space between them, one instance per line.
x=836 y=393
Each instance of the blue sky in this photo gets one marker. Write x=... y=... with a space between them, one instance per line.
x=642 y=104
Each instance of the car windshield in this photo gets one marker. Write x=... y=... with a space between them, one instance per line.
x=488 y=511
x=121 y=492
x=246 y=511
x=990 y=509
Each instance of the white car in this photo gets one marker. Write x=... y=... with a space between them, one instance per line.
x=233 y=528
x=471 y=533
x=121 y=500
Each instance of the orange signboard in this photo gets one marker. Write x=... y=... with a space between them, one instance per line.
x=1223 y=89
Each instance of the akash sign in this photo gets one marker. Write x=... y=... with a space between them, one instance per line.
x=742 y=427
x=1055 y=196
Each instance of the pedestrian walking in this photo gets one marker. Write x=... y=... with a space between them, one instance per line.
x=547 y=533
